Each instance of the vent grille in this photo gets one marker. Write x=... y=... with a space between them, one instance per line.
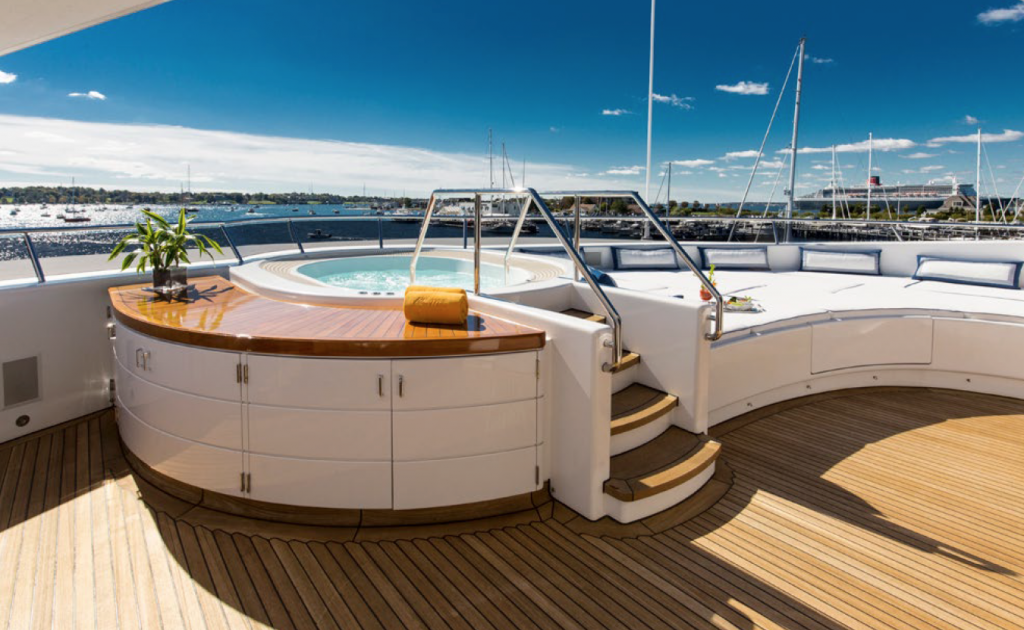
x=20 y=381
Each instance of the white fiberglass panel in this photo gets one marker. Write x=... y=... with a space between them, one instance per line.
x=840 y=344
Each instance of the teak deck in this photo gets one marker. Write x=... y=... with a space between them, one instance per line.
x=217 y=314
x=881 y=509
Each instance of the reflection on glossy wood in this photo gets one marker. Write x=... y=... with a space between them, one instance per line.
x=218 y=314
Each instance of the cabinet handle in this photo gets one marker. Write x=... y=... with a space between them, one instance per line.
x=138 y=357
x=243 y=481
x=401 y=386
x=145 y=360
x=380 y=385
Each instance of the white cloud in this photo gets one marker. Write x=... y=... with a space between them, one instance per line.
x=682 y=102
x=970 y=120
x=1008 y=135
x=820 y=167
x=745 y=87
x=553 y=129
x=819 y=60
x=733 y=155
x=880 y=144
x=932 y=168
x=615 y=112
x=693 y=163
x=154 y=157
x=624 y=170
x=998 y=16
x=7 y=77
x=920 y=155
x=91 y=95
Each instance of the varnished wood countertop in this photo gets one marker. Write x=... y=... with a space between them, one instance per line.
x=217 y=314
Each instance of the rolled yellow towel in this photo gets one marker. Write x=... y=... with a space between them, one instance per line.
x=430 y=305
x=419 y=288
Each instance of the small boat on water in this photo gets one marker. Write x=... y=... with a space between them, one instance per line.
x=312 y=213
x=251 y=211
x=319 y=235
x=76 y=219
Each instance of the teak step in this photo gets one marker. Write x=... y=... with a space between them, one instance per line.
x=590 y=317
x=629 y=359
x=637 y=405
x=672 y=458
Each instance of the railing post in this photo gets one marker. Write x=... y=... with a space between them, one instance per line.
x=231 y=243
x=380 y=233
x=477 y=231
x=576 y=235
x=32 y=256
x=291 y=232
x=465 y=233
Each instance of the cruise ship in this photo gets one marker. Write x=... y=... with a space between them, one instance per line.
x=906 y=197
x=589 y=434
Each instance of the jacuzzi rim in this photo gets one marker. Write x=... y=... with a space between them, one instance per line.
x=255 y=278
x=377 y=294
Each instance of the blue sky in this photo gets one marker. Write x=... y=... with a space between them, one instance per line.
x=384 y=78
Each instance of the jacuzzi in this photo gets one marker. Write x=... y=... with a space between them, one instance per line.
x=381 y=278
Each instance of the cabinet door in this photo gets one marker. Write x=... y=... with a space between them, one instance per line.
x=464 y=381
x=205 y=420
x=464 y=431
x=320 y=482
x=319 y=433
x=209 y=373
x=319 y=383
x=465 y=479
x=196 y=464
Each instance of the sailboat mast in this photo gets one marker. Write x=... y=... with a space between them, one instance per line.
x=871 y=141
x=796 y=129
x=668 y=196
x=834 y=186
x=977 y=184
x=490 y=156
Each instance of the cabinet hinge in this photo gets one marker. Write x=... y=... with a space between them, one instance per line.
x=245 y=373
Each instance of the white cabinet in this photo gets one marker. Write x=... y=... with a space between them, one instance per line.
x=332 y=432
x=464 y=431
x=200 y=465
x=209 y=373
x=320 y=482
x=204 y=420
x=464 y=381
x=464 y=479
x=319 y=383
x=320 y=433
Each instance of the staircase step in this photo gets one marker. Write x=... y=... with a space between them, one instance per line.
x=671 y=459
x=629 y=359
x=590 y=317
x=638 y=405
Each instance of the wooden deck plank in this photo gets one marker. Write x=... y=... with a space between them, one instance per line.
x=882 y=509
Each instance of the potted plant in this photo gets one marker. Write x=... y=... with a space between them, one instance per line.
x=704 y=293
x=162 y=247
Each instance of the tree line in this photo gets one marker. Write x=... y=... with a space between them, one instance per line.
x=67 y=194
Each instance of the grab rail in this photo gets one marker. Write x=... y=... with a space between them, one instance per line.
x=613 y=317
x=665 y=233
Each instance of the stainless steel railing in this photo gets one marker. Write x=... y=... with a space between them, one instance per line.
x=532 y=198
x=665 y=233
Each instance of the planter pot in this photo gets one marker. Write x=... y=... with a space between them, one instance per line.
x=170 y=277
